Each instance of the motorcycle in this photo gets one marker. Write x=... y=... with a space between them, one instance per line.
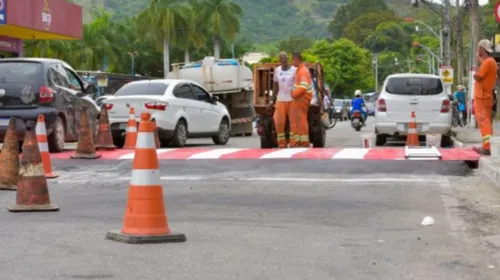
x=357 y=120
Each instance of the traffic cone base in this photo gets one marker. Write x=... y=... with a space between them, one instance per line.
x=85 y=156
x=117 y=235
x=85 y=148
x=9 y=158
x=4 y=187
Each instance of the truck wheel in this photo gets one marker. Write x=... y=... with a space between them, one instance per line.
x=57 y=138
x=180 y=134
x=319 y=140
x=222 y=136
x=265 y=143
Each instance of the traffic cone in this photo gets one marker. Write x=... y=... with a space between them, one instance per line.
x=43 y=145
x=9 y=158
x=157 y=138
x=104 y=138
x=32 y=189
x=131 y=136
x=145 y=218
x=85 y=148
x=412 y=138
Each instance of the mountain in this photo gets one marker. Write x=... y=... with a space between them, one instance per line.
x=263 y=21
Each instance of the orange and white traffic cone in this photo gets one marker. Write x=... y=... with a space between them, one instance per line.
x=131 y=135
x=32 y=189
x=412 y=138
x=145 y=217
x=157 y=138
x=9 y=158
x=43 y=145
x=85 y=148
x=104 y=138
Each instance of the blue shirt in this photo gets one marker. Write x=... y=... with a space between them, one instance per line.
x=357 y=103
x=460 y=96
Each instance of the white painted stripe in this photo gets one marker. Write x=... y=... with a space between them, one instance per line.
x=284 y=153
x=146 y=140
x=132 y=154
x=40 y=129
x=412 y=130
x=351 y=153
x=214 y=154
x=44 y=147
x=131 y=117
x=131 y=129
x=145 y=177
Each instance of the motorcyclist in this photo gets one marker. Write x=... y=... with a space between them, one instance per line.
x=357 y=104
x=460 y=97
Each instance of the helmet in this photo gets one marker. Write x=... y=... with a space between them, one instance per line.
x=357 y=92
x=460 y=87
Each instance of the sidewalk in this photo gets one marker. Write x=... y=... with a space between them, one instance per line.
x=469 y=136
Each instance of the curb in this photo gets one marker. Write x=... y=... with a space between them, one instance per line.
x=457 y=143
x=488 y=168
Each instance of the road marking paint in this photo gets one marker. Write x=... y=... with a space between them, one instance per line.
x=158 y=152
x=351 y=153
x=284 y=153
x=215 y=154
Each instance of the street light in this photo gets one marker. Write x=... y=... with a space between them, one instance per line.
x=439 y=36
x=431 y=53
x=132 y=60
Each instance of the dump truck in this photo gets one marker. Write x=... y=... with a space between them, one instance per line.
x=264 y=106
x=228 y=79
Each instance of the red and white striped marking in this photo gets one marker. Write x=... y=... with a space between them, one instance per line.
x=458 y=154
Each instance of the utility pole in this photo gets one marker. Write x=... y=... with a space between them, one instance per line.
x=375 y=64
x=475 y=32
x=459 y=46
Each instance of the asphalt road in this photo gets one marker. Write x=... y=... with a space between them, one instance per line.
x=265 y=219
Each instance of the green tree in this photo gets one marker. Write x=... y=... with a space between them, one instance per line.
x=359 y=29
x=223 y=19
x=347 y=66
x=388 y=36
x=295 y=44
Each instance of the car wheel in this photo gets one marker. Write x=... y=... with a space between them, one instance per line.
x=222 y=136
x=119 y=142
x=446 y=141
x=57 y=138
x=180 y=134
x=380 y=140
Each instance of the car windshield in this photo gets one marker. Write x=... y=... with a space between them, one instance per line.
x=20 y=72
x=414 y=86
x=142 y=89
x=338 y=103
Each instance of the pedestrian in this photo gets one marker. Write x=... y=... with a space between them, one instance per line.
x=460 y=96
x=284 y=78
x=484 y=85
x=302 y=93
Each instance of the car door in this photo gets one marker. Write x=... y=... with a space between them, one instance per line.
x=209 y=111
x=186 y=102
x=66 y=100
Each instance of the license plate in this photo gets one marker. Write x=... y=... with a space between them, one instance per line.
x=123 y=126
x=355 y=121
x=4 y=122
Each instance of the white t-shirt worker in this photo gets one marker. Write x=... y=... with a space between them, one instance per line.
x=285 y=80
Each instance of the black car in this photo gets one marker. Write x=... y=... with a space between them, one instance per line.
x=33 y=86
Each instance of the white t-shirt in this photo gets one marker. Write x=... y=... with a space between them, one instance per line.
x=285 y=80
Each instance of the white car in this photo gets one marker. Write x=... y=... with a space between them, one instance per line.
x=182 y=109
x=423 y=94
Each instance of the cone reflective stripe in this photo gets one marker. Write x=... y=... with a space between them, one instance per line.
x=9 y=158
x=104 y=138
x=131 y=135
x=41 y=137
x=157 y=138
x=32 y=189
x=145 y=218
x=412 y=138
x=85 y=148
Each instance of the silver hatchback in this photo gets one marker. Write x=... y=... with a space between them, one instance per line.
x=402 y=94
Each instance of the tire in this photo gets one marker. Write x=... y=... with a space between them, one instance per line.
x=119 y=142
x=265 y=143
x=57 y=138
x=319 y=140
x=380 y=140
x=461 y=119
x=446 y=141
x=222 y=136
x=358 y=128
x=180 y=134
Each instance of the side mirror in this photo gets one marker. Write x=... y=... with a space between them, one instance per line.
x=215 y=99
x=90 y=89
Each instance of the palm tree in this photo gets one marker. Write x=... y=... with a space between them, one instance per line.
x=223 y=19
x=164 y=20
x=194 y=36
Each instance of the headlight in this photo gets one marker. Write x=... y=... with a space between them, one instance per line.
x=338 y=110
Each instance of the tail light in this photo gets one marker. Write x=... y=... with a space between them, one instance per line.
x=445 y=107
x=46 y=95
x=356 y=114
x=381 y=106
x=108 y=106
x=160 y=106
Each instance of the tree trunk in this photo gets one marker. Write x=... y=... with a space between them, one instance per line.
x=166 y=57
x=186 y=56
x=475 y=31
x=217 y=47
x=459 y=36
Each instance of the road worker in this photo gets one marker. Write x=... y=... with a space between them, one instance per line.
x=484 y=86
x=284 y=78
x=302 y=93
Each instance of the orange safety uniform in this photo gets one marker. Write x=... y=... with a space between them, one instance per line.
x=302 y=93
x=282 y=113
x=483 y=98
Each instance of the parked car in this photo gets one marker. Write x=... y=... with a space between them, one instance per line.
x=33 y=86
x=182 y=109
x=420 y=93
x=370 y=100
x=341 y=111
x=100 y=99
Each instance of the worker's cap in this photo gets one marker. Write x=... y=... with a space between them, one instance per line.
x=486 y=45
x=461 y=87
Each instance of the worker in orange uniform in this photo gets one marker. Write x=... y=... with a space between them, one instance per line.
x=284 y=78
x=302 y=93
x=484 y=86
